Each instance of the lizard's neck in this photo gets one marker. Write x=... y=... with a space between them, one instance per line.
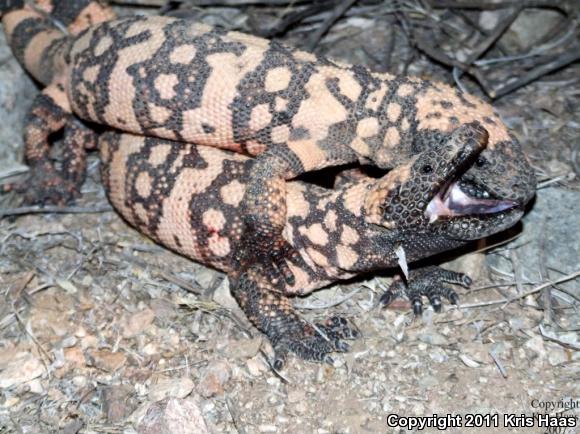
x=331 y=232
x=336 y=233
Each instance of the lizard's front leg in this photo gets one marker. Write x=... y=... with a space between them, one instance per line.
x=264 y=208
x=273 y=314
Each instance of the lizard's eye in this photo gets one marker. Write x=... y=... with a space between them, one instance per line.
x=481 y=161
x=427 y=168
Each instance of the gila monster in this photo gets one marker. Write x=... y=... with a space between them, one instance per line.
x=292 y=110
x=189 y=198
x=325 y=113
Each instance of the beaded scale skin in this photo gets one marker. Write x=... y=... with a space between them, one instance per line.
x=172 y=83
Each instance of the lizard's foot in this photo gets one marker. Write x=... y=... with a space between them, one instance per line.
x=311 y=342
x=426 y=282
x=272 y=313
x=45 y=186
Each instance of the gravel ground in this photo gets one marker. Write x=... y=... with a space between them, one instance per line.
x=103 y=331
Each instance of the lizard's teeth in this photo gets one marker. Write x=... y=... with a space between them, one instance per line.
x=462 y=204
x=456 y=203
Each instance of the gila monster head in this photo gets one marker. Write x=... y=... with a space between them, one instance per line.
x=427 y=198
x=502 y=170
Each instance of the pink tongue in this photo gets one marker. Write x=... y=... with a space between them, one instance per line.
x=457 y=203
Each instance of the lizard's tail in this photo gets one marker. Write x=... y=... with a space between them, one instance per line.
x=40 y=35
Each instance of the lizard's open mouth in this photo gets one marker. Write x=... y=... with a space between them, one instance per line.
x=458 y=198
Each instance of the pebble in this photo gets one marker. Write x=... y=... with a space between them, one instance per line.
x=136 y=323
x=536 y=344
x=69 y=341
x=438 y=355
x=107 y=360
x=150 y=349
x=80 y=332
x=433 y=338
x=242 y=348
x=213 y=379
x=89 y=341
x=171 y=416
x=116 y=402
x=74 y=357
x=22 y=368
x=79 y=381
x=35 y=386
x=256 y=366
x=223 y=296
x=170 y=388
x=427 y=381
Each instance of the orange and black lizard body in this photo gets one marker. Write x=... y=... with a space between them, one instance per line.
x=179 y=83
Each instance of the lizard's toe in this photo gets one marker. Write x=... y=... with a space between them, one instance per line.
x=337 y=327
x=428 y=283
x=314 y=342
x=273 y=254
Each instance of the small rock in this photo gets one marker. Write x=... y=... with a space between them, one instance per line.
x=170 y=388
x=89 y=341
x=116 y=402
x=433 y=338
x=73 y=427
x=35 y=386
x=301 y=407
x=79 y=381
x=438 y=355
x=173 y=416
x=69 y=341
x=476 y=351
x=536 y=344
x=223 y=297
x=150 y=349
x=22 y=368
x=206 y=277
x=74 y=357
x=256 y=366
x=558 y=355
x=67 y=285
x=164 y=309
x=242 y=348
x=213 y=379
x=267 y=428
x=468 y=361
x=137 y=323
x=11 y=402
x=55 y=395
x=107 y=360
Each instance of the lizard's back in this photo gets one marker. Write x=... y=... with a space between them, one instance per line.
x=187 y=81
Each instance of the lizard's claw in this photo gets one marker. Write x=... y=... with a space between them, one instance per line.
x=311 y=342
x=426 y=282
x=281 y=256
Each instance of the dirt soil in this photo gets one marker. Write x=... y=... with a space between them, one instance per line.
x=103 y=331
